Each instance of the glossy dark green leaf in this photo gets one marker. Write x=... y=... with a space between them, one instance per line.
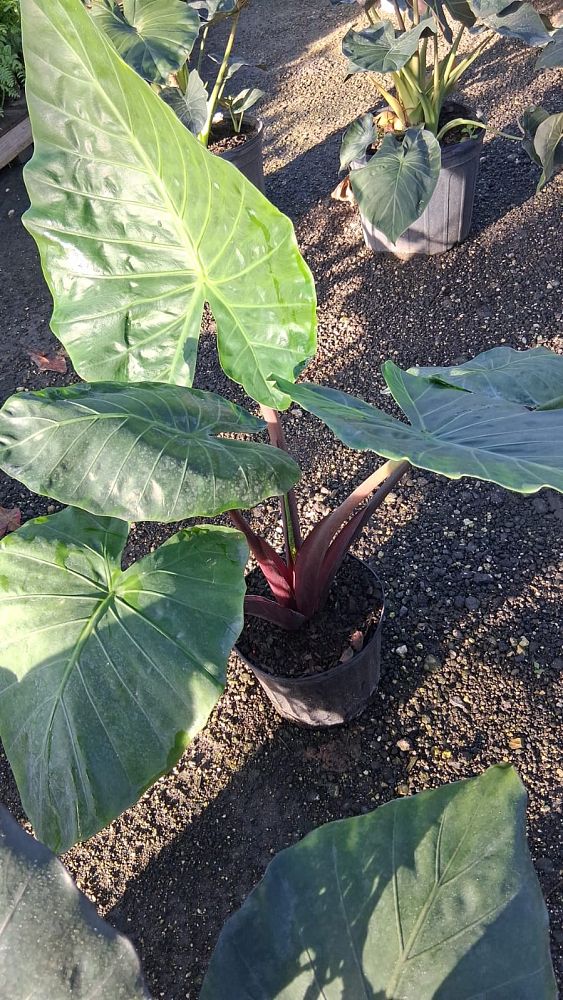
x=517 y=20
x=395 y=187
x=356 y=140
x=191 y=107
x=53 y=944
x=452 y=432
x=105 y=674
x=155 y=37
x=460 y=11
x=138 y=225
x=432 y=897
x=380 y=49
x=533 y=378
x=142 y=452
x=552 y=55
x=531 y=119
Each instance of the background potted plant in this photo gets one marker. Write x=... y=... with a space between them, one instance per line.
x=170 y=45
x=430 y=895
x=415 y=160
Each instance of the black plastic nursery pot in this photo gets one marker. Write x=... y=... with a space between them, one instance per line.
x=332 y=697
x=447 y=217
x=248 y=157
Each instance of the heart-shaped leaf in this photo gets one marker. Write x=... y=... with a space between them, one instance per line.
x=138 y=225
x=552 y=55
x=144 y=452
x=54 y=944
x=452 y=432
x=155 y=37
x=548 y=144
x=533 y=378
x=529 y=123
x=380 y=49
x=191 y=107
x=430 y=896
x=395 y=187
x=106 y=675
x=356 y=140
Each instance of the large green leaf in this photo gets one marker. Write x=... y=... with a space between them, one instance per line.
x=514 y=20
x=552 y=55
x=432 y=897
x=105 y=675
x=395 y=187
x=380 y=49
x=146 y=452
x=138 y=225
x=154 y=36
x=191 y=107
x=533 y=378
x=53 y=945
x=452 y=432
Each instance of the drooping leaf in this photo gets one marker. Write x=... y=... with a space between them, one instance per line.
x=429 y=896
x=552 y=55
x=214 y=10
x=531 y=119
x=548 y=144
x=517 y=20
x=460 y=11
x=191 y=107
x=451 y=432
x=437 y=8
x=105 y=675
x=533 y=377
x=395 y=187
x=53 y=943
x=356 y=140
x=143 y=452
x=380 y=49
x=138 y=225
x=155 y=37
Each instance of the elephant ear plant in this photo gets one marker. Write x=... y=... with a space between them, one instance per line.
x=168 y=43
x=106 y=673
x=428 y=896
x=396 y=154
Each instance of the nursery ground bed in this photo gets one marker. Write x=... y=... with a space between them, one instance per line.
x=472 y=573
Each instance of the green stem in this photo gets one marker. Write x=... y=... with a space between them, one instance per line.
x=424 y=102
x=422 y=64
x=436 y=91
x=393 y=103
x=465 y=63
x=450 y=59
x=220 y=82
x=469 y=121
x=399 y=16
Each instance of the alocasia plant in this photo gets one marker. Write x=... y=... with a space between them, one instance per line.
x=394 y=186
x=429 y=896
x=167 y=44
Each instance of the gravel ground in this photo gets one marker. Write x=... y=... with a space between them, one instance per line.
x=472 y=574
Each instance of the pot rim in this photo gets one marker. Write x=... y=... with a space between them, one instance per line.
x=257 y=123
x=311 y=679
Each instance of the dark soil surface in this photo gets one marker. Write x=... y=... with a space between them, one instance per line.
x=472 y=652
x=344 y=625
x=223 y=138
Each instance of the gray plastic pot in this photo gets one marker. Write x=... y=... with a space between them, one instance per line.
x=333 y=697
x=446 y=219
x=249 y=156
